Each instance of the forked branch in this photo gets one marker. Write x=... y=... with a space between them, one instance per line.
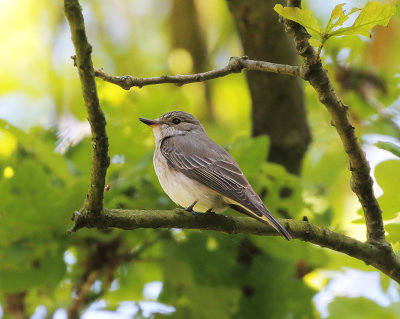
x=361 y=181
x=100 y=160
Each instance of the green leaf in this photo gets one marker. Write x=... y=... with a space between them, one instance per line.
x=315 y=43
x=374 y=13
x=233 y=280
x=385 y=282
x=250 y=153
x=394 y=232
x=131 y=280
x=361 y=308
x=337 y=14
x=190 y=283
x=35 y=208
x=387 y=175
x=291 y=300
x=301 y=16
x=338 y=17
x=280 y=191
x=44 y=272
x=390 y=147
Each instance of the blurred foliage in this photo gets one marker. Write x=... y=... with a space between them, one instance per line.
x=393 y=148
x=373 y=14
x=45 y=162
x=361 y=308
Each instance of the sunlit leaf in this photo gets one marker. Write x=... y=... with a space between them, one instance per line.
x=385 y=282
x=394 y=232
x=387 y=174
x=373 y=14
x=314 y=42
x=361 y=308
x=8 y=141
x=338 y=17
x=301 y=16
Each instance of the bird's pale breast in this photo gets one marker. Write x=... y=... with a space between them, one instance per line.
x=183 y=190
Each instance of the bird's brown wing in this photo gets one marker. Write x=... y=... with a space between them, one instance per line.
x=200 y=158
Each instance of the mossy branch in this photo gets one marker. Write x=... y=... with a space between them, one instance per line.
x=361 y=181
x=381 y=258
x=100 y=160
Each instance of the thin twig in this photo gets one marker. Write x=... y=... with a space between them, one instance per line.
x=100 y=161
x=235 y=65
x=361 y=181
x=75 y=308
x=368 y=96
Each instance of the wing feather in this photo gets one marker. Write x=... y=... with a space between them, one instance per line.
x=210 y=164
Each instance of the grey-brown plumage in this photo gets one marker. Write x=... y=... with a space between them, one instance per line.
x=185 y=147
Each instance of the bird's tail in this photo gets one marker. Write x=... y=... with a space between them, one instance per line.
x=264 y=216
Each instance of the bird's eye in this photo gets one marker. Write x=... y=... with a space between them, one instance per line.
x=176 y=120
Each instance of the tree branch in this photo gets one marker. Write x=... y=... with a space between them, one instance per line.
x=235 y=65
x=100 y=161
x=73 y=311
x=15 y=305
x=383 y=259
x=376 y=251
x=361 y=181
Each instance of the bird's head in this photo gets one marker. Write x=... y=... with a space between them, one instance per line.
x=173 y=124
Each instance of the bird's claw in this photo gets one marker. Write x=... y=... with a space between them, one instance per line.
x=210 y=212
x=190 y=209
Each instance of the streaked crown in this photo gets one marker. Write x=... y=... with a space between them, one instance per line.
x=180 y=115
x=176 y=123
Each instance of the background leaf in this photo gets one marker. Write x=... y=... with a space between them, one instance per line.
x=338 y=17
x=390 y=147
x=387 y=175
x=361 y=308
x=373 y=14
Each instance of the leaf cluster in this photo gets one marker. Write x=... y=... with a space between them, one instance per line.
x=373 y=14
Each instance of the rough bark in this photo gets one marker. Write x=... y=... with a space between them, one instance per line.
x=277 y=101
x=15 y=305
x=235 y=65
x=381 y=257
x=100 y=160
x=361 y=181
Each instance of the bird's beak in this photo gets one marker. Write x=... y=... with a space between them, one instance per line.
x=149 y=122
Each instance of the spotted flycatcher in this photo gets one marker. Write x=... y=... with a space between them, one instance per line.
x=196 y=173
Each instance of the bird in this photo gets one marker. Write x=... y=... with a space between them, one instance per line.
x=200 y=175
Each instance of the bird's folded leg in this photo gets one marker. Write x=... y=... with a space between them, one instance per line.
x=210 y=211
x=190 y=209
